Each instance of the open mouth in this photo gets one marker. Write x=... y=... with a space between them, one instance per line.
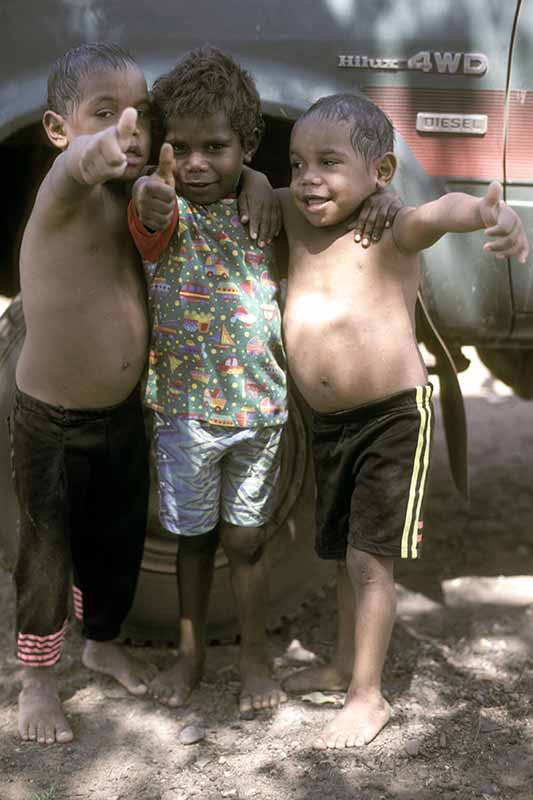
x=314 y=202
x=134 y=156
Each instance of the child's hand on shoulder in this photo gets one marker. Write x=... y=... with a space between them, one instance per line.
x=103 y=155
x=504 y=226
x=259 y=206
x=376 y=214
x=154 y=195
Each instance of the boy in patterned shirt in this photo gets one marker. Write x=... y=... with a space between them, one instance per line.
x=216 y=379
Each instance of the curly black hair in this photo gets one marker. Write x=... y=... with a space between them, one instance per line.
x=206 y=81
x=65 y=74
x=372 y=133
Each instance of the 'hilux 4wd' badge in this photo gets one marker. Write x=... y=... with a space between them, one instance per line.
x=475 y=64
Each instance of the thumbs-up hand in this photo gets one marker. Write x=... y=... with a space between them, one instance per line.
x=103 y=156
x=503 y=225
x=154 y=196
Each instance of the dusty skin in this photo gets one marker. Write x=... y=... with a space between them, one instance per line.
x=459 y=674
x=173 y=686
x=111 y=659
x=41 y=716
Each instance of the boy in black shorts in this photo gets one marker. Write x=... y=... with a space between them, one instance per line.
x=352 y=350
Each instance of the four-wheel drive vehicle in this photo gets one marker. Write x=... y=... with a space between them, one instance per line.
x=456 y=80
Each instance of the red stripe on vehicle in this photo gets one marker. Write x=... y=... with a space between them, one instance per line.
x=452 y=155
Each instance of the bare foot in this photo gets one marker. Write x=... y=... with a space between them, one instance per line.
x=258 y=689
x=360 y=721
x=173 y=686
x=41 y=716
x=329 y=678
x=111 y=659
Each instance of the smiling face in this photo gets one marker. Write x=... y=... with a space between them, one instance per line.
x=209 y=157
x=104 y=96
x=329 y=180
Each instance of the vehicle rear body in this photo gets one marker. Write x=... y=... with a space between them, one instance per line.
x=455 y=78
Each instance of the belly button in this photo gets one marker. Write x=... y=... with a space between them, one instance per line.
x=324 y=381
x=125 y=364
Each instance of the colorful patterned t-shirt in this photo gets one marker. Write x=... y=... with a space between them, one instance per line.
x=216 y=353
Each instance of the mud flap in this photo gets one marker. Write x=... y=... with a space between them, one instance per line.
x=451 y=398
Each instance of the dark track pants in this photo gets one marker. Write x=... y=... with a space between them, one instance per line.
x=82 y=480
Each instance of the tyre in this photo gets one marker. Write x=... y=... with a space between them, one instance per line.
x=295 y=571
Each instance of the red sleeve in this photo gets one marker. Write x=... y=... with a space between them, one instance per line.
x=150 y=245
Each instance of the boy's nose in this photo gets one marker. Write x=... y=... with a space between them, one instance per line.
x=311 y=177
x=196 y=163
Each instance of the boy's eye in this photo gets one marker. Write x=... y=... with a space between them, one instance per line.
x=143 y=113
x=179 y=149
x=216 y=147
x=296 y=164
x=104 y=113
x=328 y=162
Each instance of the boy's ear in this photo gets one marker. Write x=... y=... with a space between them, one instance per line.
x=251 y=146
x=385 y=169
x=55 y=127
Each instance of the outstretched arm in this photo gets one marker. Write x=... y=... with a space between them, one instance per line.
x=416 y=229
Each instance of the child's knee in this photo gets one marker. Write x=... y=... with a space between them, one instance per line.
x=243 y=544
x=367 y=568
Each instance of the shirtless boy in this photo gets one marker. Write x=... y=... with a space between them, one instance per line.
x=79 y=447
x=352 y=351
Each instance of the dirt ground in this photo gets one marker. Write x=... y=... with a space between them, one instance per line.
x=459 y=673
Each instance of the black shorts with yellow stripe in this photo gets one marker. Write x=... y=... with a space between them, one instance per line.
x=371 y=469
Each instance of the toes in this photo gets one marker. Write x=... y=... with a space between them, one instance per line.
x=138 y=689
x=41 y=735
x=277 y=698
x=32 y=732
x=340 y=742
x=64 y=735
x=177 y=700
x=163 y=698
x=49 y=734
x=352 y=741
x=245 y=703
x=320 y=744
x=160 y=693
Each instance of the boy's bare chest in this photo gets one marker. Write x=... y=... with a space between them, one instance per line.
x=99 y=237
x=340 y=270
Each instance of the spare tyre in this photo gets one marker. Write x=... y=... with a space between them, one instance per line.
x=295 y=571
